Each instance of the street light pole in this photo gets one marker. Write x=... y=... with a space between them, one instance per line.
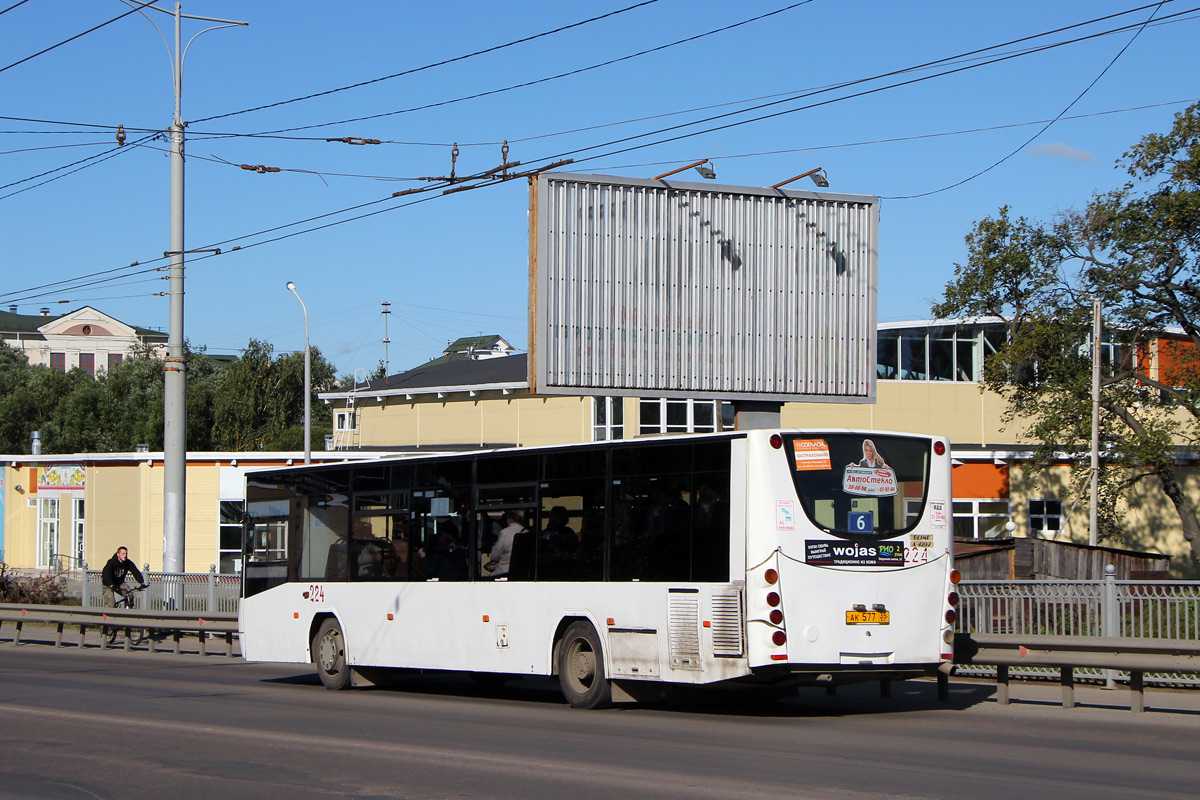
x=307 y=380
x=175 y=364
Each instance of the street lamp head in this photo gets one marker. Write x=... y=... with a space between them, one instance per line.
x=817 y=175
x=291 y=287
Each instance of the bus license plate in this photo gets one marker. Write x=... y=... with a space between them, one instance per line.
x=868 y=617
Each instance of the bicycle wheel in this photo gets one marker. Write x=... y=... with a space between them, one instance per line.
x=136 y=636
x=109 y=633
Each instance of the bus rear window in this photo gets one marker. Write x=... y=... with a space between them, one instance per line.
x=853 y=485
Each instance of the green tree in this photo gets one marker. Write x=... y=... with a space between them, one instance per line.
x=1135 y=248
x=261 y=401
x=15 y=423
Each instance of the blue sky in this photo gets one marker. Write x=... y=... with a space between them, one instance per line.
x=457 y=265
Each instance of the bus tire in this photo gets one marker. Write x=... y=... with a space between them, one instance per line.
x=581 y=668
x=329 y=655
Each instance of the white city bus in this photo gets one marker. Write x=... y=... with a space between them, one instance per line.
x=774 y=558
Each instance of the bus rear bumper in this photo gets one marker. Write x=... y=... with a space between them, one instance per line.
x=840 y=674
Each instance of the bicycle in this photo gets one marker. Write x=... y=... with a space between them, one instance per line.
x=135 y=635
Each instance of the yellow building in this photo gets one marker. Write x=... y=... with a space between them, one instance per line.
x=928 y=382
x=59 y=510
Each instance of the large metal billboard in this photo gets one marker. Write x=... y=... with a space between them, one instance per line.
x=672 y=289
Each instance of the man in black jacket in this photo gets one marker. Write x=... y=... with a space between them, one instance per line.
x=114 y=575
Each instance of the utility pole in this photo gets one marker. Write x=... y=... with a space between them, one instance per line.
x=387 y=309
x=175 y=364
x=1094 y=511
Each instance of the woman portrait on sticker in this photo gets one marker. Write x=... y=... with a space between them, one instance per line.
x=871 y=456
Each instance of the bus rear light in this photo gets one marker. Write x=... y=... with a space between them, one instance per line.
x=773 y=599
x=776 y=616
x=776 y=441
x=947 y=656
x=771 y=577
x=951 y=616
x=939 y=448
x=948 y=636
x=779 y=657
x=779 y=638
x=955 y=576
x=952 y=599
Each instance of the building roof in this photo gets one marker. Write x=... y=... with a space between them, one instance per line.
x=503 y=373
x=11 y=322
x=467 y=347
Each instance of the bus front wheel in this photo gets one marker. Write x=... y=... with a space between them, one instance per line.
x=581 y=668
x=329 y=655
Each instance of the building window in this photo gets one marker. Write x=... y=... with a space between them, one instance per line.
x=114 y=359
x=608 y=418
x=1045 y=517
x=58 y=361
x=345 y=420
x=229 y=538
x=77 y=517
x=47 y=530
x=87 y=363
x=981 y=519
x=935 y=354
x=683 y=416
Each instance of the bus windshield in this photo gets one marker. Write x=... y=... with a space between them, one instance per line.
x=852 y=485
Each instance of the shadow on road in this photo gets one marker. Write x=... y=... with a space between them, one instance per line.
x=853 y=700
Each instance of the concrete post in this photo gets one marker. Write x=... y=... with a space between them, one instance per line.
x=1109 y=619
x=212 y=589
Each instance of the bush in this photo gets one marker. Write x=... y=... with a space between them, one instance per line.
x=42 y=590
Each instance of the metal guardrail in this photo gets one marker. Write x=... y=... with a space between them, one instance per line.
x=176 y=623
x=1066 y=653
x=209 y=592
x=1135 y=611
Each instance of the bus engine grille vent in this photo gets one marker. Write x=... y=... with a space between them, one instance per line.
x=684 y=619
x=727 y=625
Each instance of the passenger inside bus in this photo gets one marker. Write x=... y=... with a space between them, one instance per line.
x=448 y=561
x=501 y=553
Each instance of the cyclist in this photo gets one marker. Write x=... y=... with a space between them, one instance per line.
x=114 y=575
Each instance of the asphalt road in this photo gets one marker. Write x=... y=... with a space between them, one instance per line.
x=91 y=724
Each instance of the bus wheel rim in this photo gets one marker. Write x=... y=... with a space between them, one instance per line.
x=582 y=664
x=330 y=651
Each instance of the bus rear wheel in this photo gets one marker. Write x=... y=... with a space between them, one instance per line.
x=329 y=655
x=581 y=668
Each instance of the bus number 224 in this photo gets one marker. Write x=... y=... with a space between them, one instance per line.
x=315 y=593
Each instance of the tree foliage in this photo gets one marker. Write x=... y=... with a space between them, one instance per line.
x=257 y=403
x=1135 y=248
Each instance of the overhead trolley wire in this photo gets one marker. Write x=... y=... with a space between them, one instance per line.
x=14 y=5
x=529 y=83
x=491 y=179
x=76 y=36
x=1046 y=127
x=847 y=84
x=441 y=63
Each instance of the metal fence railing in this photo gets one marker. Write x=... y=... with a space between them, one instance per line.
x=1108 y=607
x=209 y=592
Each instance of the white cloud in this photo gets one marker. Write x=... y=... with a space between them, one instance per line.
x=1060 y=150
